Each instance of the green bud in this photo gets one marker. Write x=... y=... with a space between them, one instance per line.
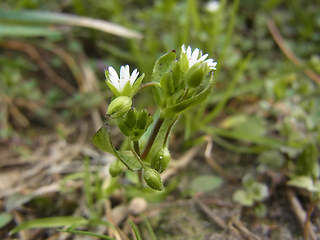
x=125 y=129
x=153 y=179
x=119 y=107
x=161 y=160
x=176 y=76
x=115 y=168
x=142 y=120
x=196 y=74
x=166 y=83
x=131 y=118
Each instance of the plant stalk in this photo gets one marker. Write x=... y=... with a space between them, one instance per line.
x=152 y=137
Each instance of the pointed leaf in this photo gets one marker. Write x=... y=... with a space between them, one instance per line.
x=50 y=222
x=102 y=139
x=184 y=105
x=162 y=65
x=129 y=159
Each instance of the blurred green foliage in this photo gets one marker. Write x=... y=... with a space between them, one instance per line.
x=262 y=104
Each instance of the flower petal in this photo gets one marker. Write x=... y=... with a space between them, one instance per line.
x=134 y=76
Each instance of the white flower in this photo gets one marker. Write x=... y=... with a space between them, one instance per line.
x=125 y=77
x=212 y=6
x=193 y=57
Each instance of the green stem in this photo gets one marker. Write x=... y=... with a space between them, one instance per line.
x=150 y=84
x=136 y=148
x=168 y=132
x=152 y=137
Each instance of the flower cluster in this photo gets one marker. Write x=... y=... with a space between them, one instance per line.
x=177 y=86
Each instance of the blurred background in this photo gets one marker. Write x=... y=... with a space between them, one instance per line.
x=257 y=130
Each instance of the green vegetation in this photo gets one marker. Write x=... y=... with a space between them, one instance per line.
x=252 y=131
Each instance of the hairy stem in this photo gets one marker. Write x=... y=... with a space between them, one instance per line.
x=152 y=137
x=136 y=151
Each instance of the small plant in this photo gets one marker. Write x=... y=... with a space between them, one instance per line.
x=178 y=85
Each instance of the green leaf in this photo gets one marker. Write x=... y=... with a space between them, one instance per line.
x=186 y=104
x=5 y=218
x=85 y=233
x=16 y=201
x=307 y=163
x=9 y=30
x=303 y=182
x=135 y=230
x=49 y=223
x=205 y=183
x=162 y=65
x=42 y=17
x=102 y=139
x=242 y=197
x=129 y=159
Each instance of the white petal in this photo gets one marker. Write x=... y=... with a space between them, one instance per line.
x=113 y=73
x=183 y=48
x=203 y=57
x=134 y=76
x=122 y=70
x=126 y=75
x=189 y=50
x=195 y=54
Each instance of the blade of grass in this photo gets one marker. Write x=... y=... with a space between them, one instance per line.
x=135 y=230
x=41 y=17
x=265 y=141
x=230 y=31
x=228 y=93
x=149 y=228
x=100 y=236
x=49 y=223
x=9 y=30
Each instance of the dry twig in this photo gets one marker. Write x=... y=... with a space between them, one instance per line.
x=301 y=215
x=288 y=52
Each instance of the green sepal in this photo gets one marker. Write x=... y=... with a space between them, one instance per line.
x=196 y=74
x=166 y=83
x=113 y=89
x=136 y=86
x=158 y=96
x=142 y=120
x=184 y=62
x=127 y=89
x=177 y=75
x=184 y=105
x=131 y=118
x=125 y=129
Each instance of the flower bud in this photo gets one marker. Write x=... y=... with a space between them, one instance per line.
x=153 y=179
x=131 y=118
x=166 y=83
x=119 y=107
x=196 y=74
x=115 y=168
x=161 y=160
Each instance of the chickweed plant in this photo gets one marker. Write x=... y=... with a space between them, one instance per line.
x=178 y=85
